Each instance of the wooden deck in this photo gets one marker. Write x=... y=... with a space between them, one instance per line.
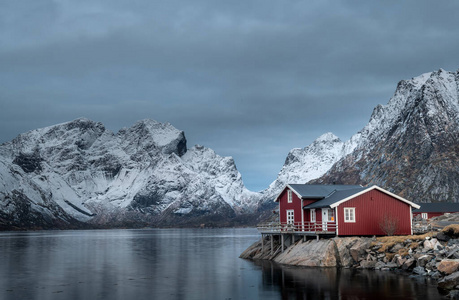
x=290 y=233
x=306 y=228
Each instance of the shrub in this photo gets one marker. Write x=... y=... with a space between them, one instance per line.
x=389 y=224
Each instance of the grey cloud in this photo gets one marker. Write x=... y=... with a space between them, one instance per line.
x=249 y=79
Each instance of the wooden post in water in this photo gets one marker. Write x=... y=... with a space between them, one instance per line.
x=282 y=239
x=272 y=244
x=262 y=244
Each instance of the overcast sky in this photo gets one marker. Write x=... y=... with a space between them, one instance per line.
x=249 y=79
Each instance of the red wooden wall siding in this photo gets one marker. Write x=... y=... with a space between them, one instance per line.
x=284 y=206
x=307 y=212
x=370 y=208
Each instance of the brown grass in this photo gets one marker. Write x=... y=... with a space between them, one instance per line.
x=403 y=252
x=453 y=228
x=414 y=245
x=390 y=256
x=388 y=242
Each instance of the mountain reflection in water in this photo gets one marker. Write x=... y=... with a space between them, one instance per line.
x=332 y=283
x=174 y=264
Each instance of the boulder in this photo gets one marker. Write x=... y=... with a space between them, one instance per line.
x=391 y=265
x=399 y=260
x=420 y=271
x=454 y=294
x=423 y=260
x=368 y=264
x=443 y=237
x=435 y=275
x=453 y=253
x=448 y=266
x=396 y=247
x=428 y=244
x=449 y=282
x=409 y=264
x=313 y=253
x=358 y=249
x=343 y=245
x=380 y=265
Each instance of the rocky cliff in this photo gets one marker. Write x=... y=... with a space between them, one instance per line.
x=410 y=146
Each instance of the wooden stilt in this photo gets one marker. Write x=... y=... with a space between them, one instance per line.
x=282 y=244
x=272 y=244
x=262 y=243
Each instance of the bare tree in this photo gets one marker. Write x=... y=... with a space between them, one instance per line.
x=389 y=224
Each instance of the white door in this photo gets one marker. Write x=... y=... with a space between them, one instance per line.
x=324 y=219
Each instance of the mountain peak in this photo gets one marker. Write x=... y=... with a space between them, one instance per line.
x=151 y=136
x=327 y=137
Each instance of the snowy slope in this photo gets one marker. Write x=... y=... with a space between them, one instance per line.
x=410 y=145
x=305 y=164
x=141 y=174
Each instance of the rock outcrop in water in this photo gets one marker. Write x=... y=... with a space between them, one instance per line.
x=434 y=255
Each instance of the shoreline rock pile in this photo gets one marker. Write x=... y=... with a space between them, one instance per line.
x=434 y=255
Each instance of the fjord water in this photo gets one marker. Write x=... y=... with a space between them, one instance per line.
x=174 y=264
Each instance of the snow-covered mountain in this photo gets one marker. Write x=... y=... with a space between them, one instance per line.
x=411 y=145
x=78 y=172
x=305 y=164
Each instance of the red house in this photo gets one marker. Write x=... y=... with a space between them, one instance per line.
x=430 y=210
x=343 y=210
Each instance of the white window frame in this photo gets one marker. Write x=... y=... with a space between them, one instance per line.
x=331 y=214
x=290 y=216
x=313 y=215
x=425 y=216
x=289 y=196
x=349 y=215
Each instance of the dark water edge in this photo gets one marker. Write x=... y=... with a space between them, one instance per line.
x=332 y=283
x=175 y=264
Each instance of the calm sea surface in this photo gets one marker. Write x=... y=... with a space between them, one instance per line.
x=174 y=264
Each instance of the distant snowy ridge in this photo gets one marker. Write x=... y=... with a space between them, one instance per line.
x=143 y=174
x=305 y=164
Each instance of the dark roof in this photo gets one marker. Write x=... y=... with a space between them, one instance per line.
x=334 y=197
x=441 y=207
x=319 y=191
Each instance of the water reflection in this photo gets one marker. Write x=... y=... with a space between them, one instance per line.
x=173 y=264
x=126 y=264
x=331 y=283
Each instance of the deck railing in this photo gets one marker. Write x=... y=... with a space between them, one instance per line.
x=299 y=227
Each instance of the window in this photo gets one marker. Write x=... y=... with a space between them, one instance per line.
x=349 y=214
x=289 y=196
x=331 y=215
x=424 y=216
x=290 y=219
x=313 y=215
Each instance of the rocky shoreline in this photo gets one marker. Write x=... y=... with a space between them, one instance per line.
x=434 y=255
